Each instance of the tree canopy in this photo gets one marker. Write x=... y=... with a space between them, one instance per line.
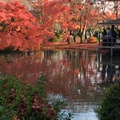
x=24 y=30
x=19 y=29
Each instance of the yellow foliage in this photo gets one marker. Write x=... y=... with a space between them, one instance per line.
x=92 y=39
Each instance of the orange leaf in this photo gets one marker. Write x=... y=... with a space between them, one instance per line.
x=18 y=28
x=14 y=118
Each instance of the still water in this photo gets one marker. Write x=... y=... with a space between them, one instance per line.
x=73 y=76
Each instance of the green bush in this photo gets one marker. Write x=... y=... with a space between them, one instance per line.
x=110 y=106
x=58 y=35
x=26 y=102
x=53 y=40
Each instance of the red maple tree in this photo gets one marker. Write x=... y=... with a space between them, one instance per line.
x=50 y=13
x=19 y=29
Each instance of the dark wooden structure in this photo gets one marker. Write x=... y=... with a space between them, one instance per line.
x=112 y=48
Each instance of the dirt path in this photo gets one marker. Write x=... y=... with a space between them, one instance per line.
x=73 y=45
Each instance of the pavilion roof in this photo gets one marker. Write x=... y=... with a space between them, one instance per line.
x=111 y=22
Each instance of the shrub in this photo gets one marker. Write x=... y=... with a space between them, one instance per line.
x=92 y=39
x=110 y=106
x=58 y=35
x=25 y=101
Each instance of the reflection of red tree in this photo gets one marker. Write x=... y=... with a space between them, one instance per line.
x=30 y=67
x=59 y=77
x=26 y=67
x=62 y=75
x=70 y=83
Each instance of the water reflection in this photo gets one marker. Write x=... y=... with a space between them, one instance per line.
x=21 y=66
x=110 y=68
x=72 y=75
x=77 y=83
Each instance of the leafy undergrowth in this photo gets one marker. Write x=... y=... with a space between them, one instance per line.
x=72 y=45
x=23 y=101
x=110 y=106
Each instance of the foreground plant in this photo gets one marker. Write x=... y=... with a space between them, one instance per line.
x=24 y=101
x=110 y=106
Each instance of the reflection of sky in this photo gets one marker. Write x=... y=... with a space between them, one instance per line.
x=80 y=110
x=83 y=116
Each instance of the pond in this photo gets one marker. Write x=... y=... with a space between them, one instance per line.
x=77 y=77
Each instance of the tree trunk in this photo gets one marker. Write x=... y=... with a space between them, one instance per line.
x=74 y=38
x=81 y=39
x=68 y=40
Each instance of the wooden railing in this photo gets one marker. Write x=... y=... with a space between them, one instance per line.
x=109 y=44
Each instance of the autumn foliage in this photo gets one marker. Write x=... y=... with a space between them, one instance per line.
x=22 y=31
x=19 y=29
x=52 y=14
